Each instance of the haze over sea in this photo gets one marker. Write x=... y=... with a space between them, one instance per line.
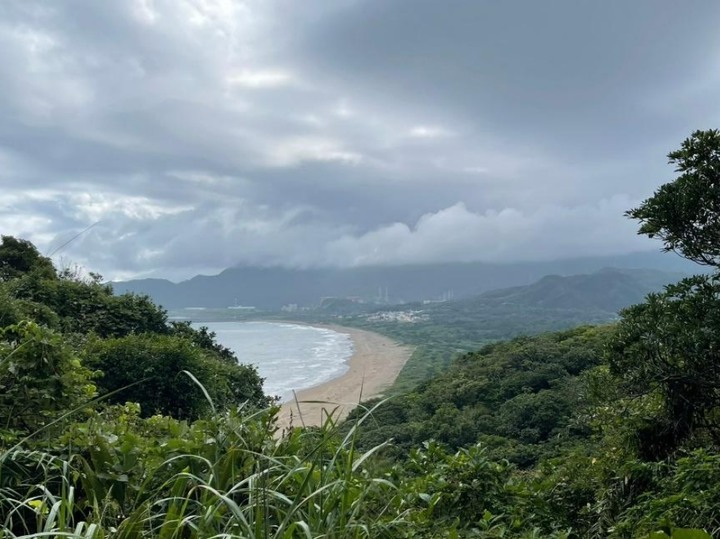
x=288 y=356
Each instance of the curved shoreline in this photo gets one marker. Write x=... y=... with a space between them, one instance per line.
x=375 y=364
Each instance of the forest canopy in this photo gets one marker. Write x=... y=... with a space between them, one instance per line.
x=68 y=340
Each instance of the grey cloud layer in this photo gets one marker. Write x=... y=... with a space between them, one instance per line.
x=204 y=133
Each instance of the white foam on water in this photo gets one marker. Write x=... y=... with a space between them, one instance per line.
x=288 y=356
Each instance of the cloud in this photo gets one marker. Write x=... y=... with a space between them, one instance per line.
x=266 y=78
x=456 y=233
x=202 y=134
x=169 y=241
x=429 y=131
x=295 y=150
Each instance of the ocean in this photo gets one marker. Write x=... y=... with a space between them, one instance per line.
x=288 y=356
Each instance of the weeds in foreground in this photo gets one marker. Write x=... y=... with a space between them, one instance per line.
x=228 y=476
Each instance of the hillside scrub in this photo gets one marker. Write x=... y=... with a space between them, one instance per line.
x=518 y=397
x=67 y=340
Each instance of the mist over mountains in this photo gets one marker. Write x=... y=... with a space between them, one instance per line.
x=272 y=288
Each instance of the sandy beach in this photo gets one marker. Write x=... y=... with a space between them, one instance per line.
x=373 y=368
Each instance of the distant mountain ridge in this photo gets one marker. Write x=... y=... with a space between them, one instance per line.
x=271 y=288
x=609 y=289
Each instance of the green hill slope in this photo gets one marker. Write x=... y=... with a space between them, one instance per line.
x=516 y=396
x=609 y=289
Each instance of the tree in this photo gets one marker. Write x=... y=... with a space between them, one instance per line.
x=40 y=379
x=685 y=214
x=18 y=257
x=669 y=346
x=203 y=338
x=148 y=369
x=90 y=306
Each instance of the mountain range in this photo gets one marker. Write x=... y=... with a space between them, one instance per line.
x=271 y=288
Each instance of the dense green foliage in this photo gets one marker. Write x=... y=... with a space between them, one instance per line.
x=162 y=363
x=40 y=379
x=685 y=214
x=65 y=340
x=20 y=257
x=80 y=306
x=594 y=432
x=119 y=475
x=669 y=347
x=516 y=397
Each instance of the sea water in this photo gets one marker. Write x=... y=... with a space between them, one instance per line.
x=288 y=356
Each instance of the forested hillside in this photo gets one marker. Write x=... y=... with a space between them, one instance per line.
x=519 y=398
x=118 y=424
x=608 y=290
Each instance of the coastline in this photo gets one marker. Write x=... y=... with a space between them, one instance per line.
x=373 y=367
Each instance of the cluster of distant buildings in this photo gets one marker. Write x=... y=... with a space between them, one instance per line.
x=406 y=317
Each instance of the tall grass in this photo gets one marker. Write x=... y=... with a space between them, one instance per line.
x=243 y=481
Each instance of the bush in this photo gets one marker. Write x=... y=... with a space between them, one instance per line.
x=40 y=379
x=151 y=370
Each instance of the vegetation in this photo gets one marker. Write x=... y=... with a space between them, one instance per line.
x=163 y=362
x=596 y=432
x=684 y=213
x=518 y=398
x=455 y=328
x=66 y=340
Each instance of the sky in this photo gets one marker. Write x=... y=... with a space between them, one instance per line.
x=194 y=135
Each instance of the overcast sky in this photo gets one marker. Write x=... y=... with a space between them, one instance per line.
x=200 y=134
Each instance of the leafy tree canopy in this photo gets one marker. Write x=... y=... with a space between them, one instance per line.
x=517 y=396
x=152 y=370
x=668 y=346
x=126 y=338
x=685 y=213
x=40 y=378
x=19 y=257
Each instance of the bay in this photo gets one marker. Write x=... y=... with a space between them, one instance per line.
x=288 y=356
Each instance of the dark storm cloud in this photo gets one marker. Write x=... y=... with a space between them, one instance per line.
x=203 y=133
x=586 y=71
